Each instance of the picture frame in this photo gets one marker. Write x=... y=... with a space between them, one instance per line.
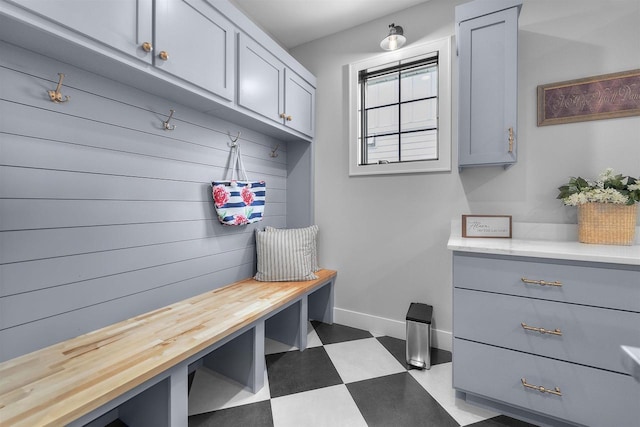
x=605 y=96
x=487 y=226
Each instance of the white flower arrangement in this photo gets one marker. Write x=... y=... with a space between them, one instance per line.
x=608 y=188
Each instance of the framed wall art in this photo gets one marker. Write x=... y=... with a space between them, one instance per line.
x=600 y=97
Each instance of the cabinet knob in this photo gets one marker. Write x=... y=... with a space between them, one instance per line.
x=289 y=118
x=284 y=116
x=163 y=55
x=147 y=47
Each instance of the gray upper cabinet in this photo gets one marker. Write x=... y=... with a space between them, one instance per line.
x=487 y=34
x=200 y=52
x=124 y=25
x=299 y=101
x=260 y=80
x=267 y=87
x=203 y=54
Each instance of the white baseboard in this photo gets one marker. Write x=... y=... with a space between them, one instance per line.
x=382 y=326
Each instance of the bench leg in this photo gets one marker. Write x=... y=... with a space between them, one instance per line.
x=179 y=395
x=160 y=402
x=321 y=304
x=242 y=358
x=289 y=326
x=164 y=404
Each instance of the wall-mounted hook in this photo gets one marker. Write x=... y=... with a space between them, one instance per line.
x=166 y=124
x=274 y=151
x=234 y=141
x=55 y=95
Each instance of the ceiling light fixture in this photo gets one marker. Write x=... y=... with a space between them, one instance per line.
x=395 y=39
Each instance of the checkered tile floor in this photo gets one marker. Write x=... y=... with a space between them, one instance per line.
x=346 y=377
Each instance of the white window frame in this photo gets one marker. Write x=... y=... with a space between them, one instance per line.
x=443 y=162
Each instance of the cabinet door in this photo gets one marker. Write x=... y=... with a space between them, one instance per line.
x=121 y=24
x=260 y=80
x=488 y=67
x=199 y=43
x=299 y=106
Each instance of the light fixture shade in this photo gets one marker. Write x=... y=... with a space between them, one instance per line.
x=395 y=39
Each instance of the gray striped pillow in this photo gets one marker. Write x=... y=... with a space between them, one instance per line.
x=314 y=248
x=285 y=255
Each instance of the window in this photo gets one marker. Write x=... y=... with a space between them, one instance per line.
x=400 y=105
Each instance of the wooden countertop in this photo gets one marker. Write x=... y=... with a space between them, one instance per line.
x=58 y=384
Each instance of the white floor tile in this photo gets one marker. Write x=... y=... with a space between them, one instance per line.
x=324 y=407
x=272 y=346
x=437 y=382
x=211 y=391
x=362 y=359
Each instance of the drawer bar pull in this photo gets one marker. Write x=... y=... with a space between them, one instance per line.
x=541 y=389
x=540 y=282
x=541 y=330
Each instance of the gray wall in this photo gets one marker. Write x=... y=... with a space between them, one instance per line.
x=387 y=235
x=104 y=215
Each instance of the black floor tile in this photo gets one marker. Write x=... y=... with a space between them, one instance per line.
x=296 y=371
x=255 y=415
x=440 y=356
x=333 y=334
x=398 y=400
x=116 y=423
x=501 y=421
x=397 y=348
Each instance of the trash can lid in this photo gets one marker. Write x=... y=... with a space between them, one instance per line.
x=419 y=312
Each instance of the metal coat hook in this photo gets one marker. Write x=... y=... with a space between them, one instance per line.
x=234 y=141
x=55 y=95
x=166 y=124
x=273 y=152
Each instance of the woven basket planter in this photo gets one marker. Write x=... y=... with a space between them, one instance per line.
x=607 y=223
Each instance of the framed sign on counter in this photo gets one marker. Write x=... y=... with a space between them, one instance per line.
x=492 y=226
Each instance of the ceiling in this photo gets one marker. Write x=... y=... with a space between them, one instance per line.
x=295 y=22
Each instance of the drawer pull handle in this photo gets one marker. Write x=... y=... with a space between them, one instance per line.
x=540 y=282
x=541 y=389
x=511 y=140
x=541 y=330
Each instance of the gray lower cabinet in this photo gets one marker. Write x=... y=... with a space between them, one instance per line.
x=487 y=40
x=524 y=323
x=273 y=91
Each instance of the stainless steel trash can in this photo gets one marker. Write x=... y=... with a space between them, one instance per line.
x=419 y=335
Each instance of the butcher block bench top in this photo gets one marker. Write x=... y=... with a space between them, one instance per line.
x=58 y=384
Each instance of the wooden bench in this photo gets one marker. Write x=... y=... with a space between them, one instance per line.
x=140 y=366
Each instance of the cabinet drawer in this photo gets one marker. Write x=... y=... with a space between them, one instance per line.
x=600 y=285
x=590 y=335
x=590 y=396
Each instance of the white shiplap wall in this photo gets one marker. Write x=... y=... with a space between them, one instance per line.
x=103 y=214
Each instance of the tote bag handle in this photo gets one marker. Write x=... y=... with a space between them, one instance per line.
x=236 y=165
